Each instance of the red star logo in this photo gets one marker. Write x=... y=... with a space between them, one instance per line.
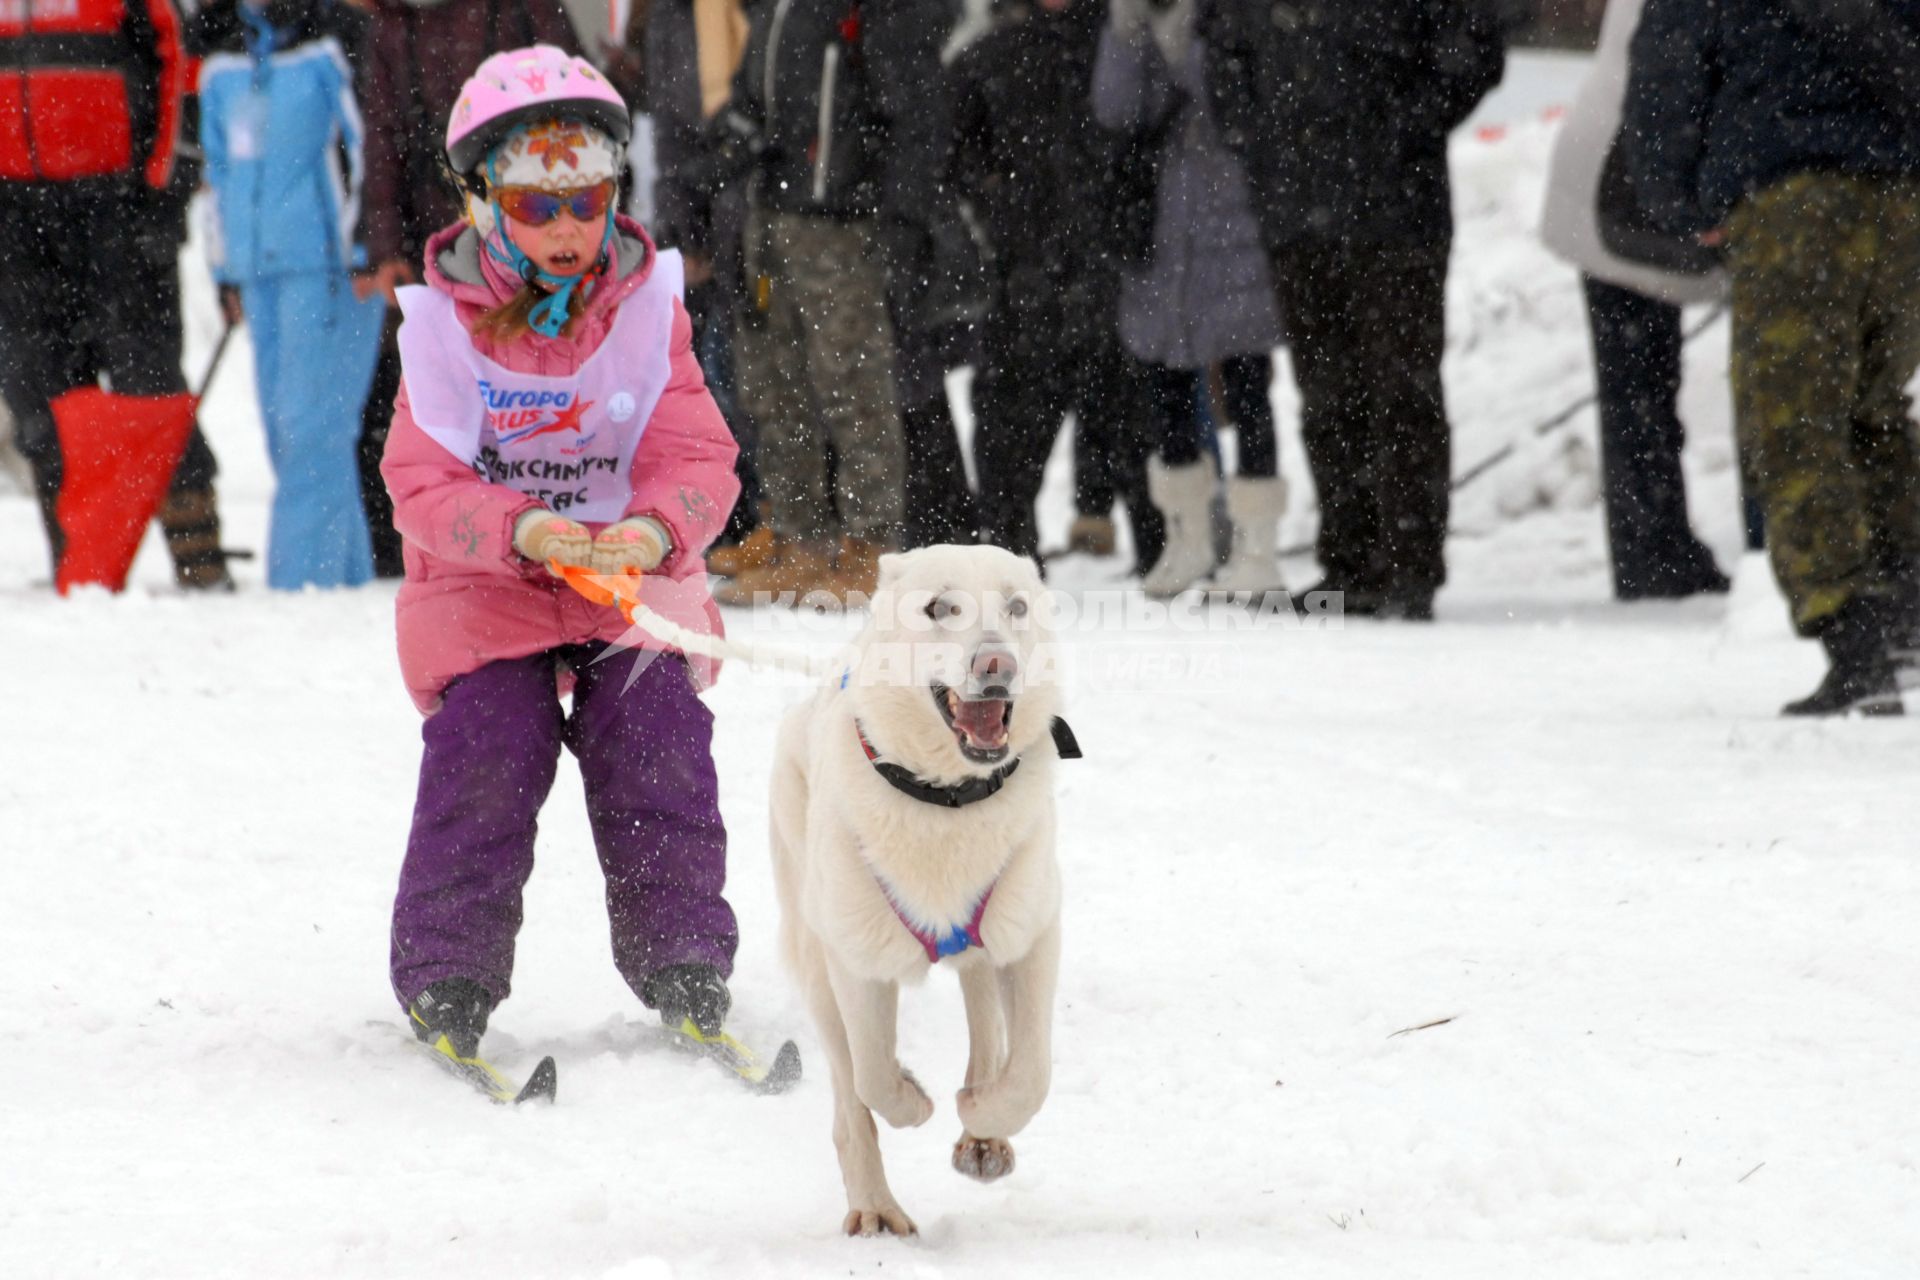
x=563 y=420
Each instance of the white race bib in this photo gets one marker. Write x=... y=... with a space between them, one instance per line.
x=568 y=442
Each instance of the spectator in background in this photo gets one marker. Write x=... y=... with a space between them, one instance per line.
x=1341 y=109
x=1204 y=296
x=936 y=287
x=92 y=214
x=816 y=345
x=1635 y=282
x=1039 y=174
x=418 y=54
x=280 y=130
x=678 y=62
x=936 y=298
x=1789 y=130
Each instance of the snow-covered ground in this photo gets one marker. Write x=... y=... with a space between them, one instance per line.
x=1673 y=935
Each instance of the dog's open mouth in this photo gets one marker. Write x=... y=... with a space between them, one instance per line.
x=979 y=724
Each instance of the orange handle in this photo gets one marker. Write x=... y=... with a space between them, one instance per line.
x=622 y=589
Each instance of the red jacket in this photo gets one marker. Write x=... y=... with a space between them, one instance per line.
x=89 y=89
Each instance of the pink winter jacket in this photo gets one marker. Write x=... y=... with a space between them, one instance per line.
x=469 y=597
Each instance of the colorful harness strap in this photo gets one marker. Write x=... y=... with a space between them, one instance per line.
x=961 y=937
x=955 y=940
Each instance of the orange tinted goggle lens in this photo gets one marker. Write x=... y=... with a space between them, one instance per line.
x=536 y=208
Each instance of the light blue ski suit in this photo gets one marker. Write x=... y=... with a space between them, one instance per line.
x=282 y=135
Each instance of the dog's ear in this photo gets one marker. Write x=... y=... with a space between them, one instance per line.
x=892 y=565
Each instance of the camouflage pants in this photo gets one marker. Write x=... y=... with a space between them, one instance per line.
x=816 y=365
x=1826 y=335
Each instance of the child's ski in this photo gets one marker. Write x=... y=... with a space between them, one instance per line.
x=480 y=1073
x=747 y=1066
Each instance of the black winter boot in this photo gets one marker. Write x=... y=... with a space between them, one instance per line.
x=683 y=991
x=1357 y=600
x=1691 y=573
x=1408 y=603
x=456 y=1008
x=1903 y=629
x=1861 y=674
x=56 y=536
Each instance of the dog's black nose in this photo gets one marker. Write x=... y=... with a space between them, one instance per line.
x=994 y=673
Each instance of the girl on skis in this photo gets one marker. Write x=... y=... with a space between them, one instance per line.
x=552 y=412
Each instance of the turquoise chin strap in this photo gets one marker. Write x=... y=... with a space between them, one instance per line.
x=549 y=315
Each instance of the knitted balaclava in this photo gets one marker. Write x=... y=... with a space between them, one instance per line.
x=556 y=155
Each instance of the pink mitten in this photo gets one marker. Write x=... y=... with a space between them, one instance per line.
x=638 y=543
x=541 y=536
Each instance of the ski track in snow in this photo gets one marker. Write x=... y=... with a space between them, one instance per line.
x=1672 y=934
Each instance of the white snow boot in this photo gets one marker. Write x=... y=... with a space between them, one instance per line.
x=1183 y=495
x=1255 y=503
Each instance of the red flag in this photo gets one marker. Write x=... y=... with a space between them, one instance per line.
x=118 y=456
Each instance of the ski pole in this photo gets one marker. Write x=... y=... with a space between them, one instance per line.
x=213 y=365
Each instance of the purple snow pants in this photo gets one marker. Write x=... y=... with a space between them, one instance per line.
x=652 y=798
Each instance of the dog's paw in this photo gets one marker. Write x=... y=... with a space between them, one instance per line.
x=983 y=1159
x=881 y=1219
x=906 y=1105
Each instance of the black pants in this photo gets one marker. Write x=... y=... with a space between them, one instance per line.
x=710 y=308
x=88 y=271
x=376 y=420
x=1636 y=360
x=938 y=504
x=1175 y=399
x=1036 y=367
x=1367 y=326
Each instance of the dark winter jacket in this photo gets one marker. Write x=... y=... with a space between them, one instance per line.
x=1205 y=294
x=419 y=54
x=686 y=214
x=1341 y=109
x=216 y=26
x=1027 y=155
x=1729 y=96
x=841 y=99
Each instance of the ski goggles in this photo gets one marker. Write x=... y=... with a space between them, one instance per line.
x=534 y=207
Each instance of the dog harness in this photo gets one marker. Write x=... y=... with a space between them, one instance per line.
x=955 y=940
x=960 y=937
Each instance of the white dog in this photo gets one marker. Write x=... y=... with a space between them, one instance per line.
x=912 y=827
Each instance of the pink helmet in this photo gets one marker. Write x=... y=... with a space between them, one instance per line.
x=524 y=86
